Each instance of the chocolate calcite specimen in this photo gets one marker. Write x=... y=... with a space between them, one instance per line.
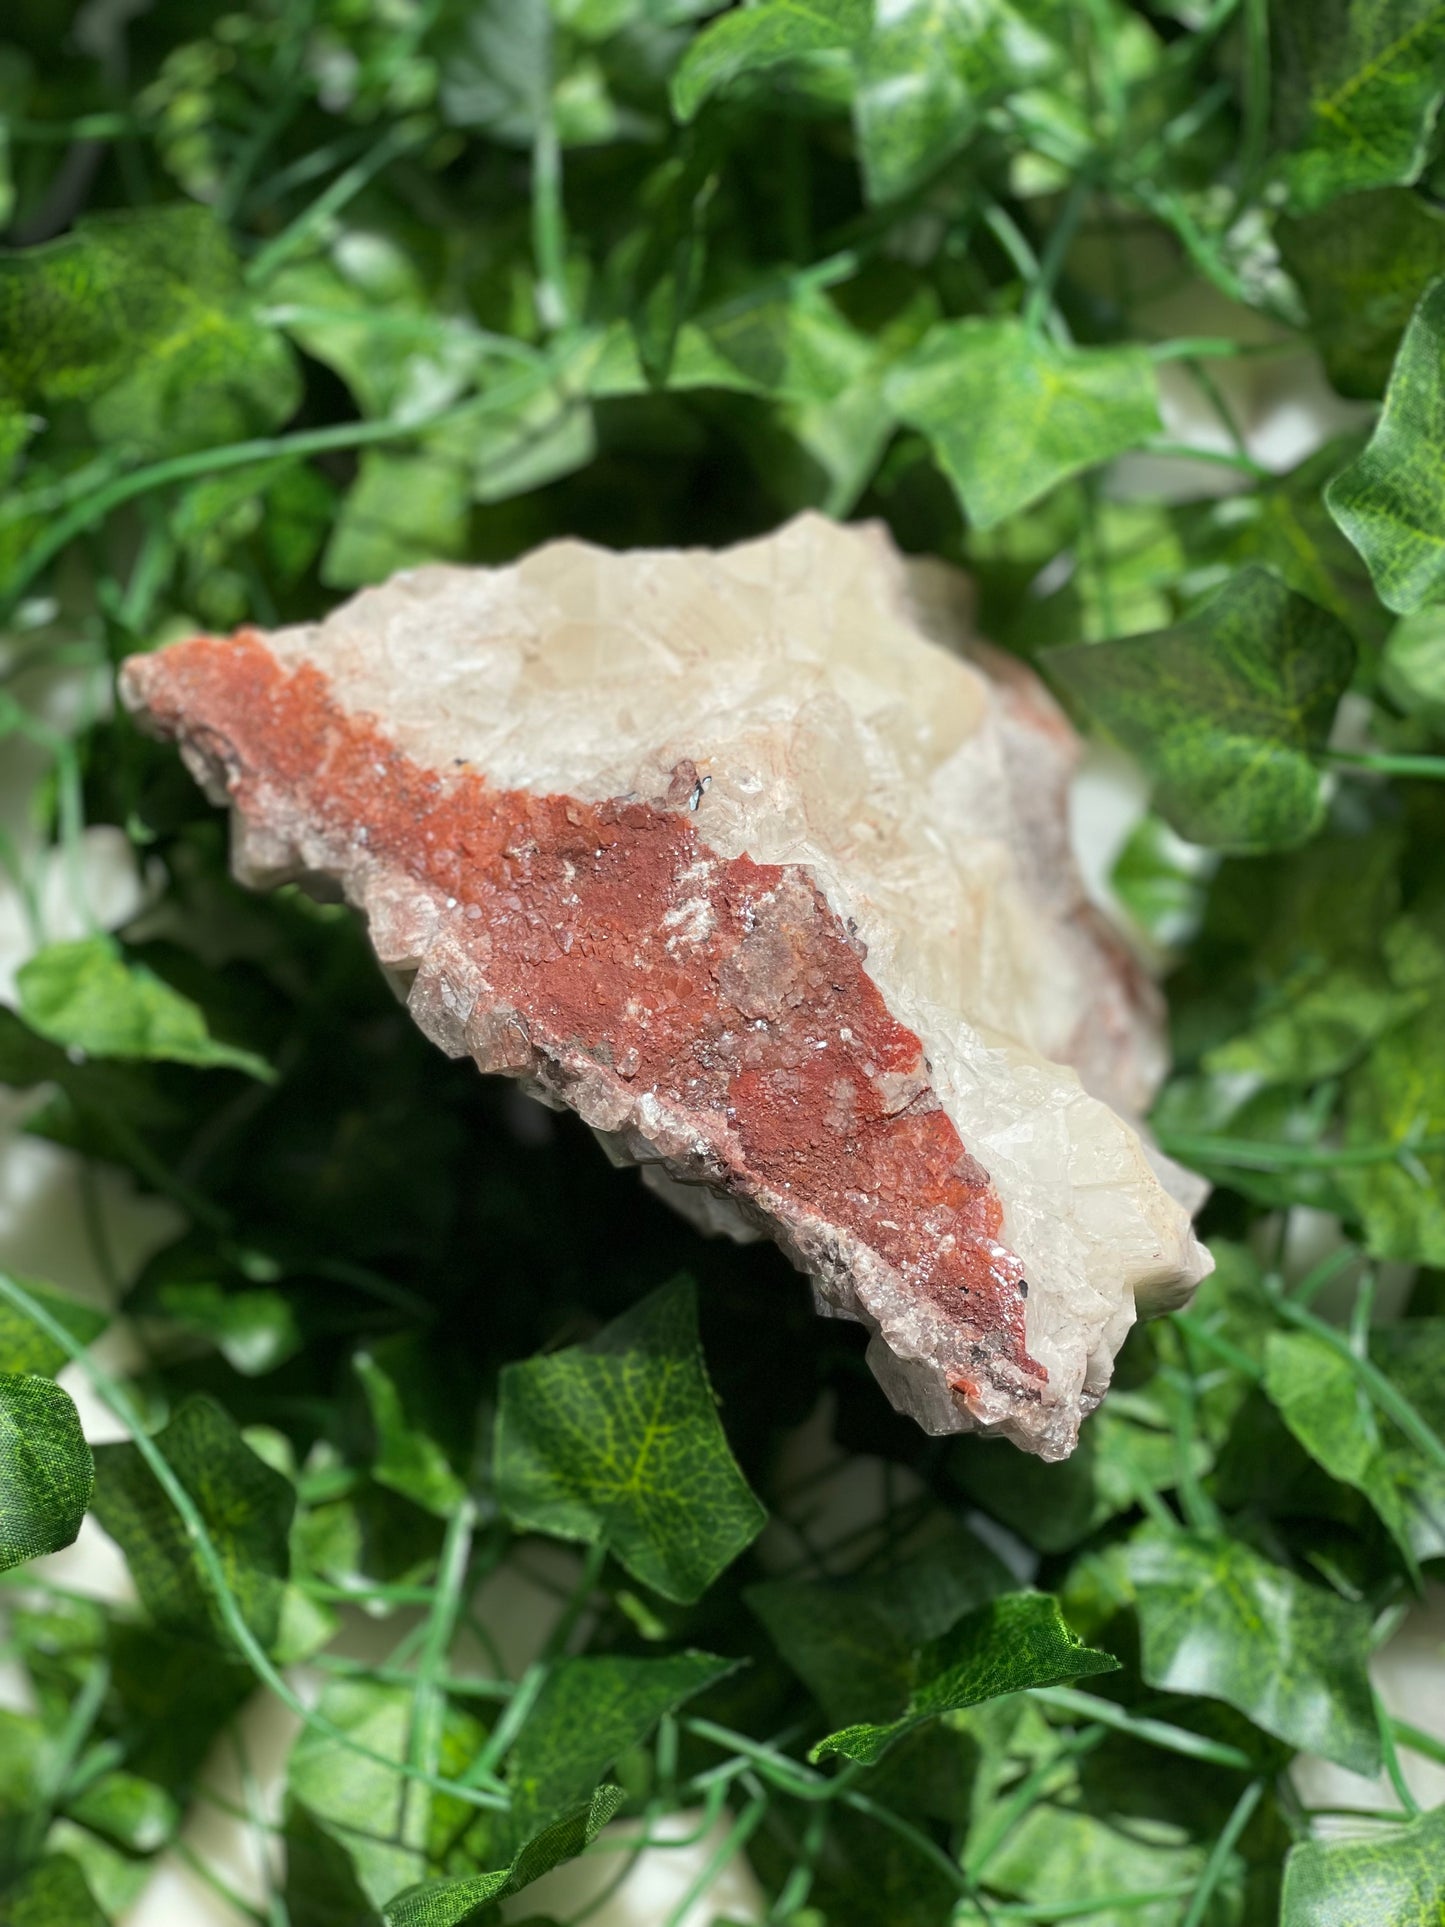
x=756 y=862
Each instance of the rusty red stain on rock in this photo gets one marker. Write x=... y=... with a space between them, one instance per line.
x=729 y=989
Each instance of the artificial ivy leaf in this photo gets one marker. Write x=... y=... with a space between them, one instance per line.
x=1390 y=501
x=366 y=312
x=52 y=1893
x=1226 y=710
x=254 y=1331
x=1059 y=1853
x=450 y=1903
x=789 y=344
x=171 y=1695
x=322 y=1888
x=1412 y=669
x=1015 y=1642
x=1194 y=1113
x=1323 y=1403
x=130 y=1812
x=1284 y=525
x=1010 y=414
x=588 y=1712
x=852 y=1641
x=142 y=315
x=1412 y=1355
x=1356 y=88
x=617 y=1442
x=407 y=1400
x=1161 y=881
x=1290 y=982
x=497 y=75
x=1393 y=1877
x=1361 y=266
x=85 y=996
x=751 y=39
x=116 y=1879
x=867 y=1876
x=1396 y=1096
x=526 y=447
x=28 y=1761
x=928 y=70
x=246 y=1507
x=1218 y=1620
x=401 y=511
x=273 y=516
x=90 y=1093
x=361 y=1824
x=1118 y=1457
x=25 y=1058
x=25 y=1348
x=1323 y=989
x=46 y=1471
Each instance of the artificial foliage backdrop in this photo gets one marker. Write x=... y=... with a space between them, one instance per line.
x=297 y=293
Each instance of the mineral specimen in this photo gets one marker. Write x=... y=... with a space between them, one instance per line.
x=756 y=862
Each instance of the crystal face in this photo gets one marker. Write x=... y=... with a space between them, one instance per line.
x=760 y=863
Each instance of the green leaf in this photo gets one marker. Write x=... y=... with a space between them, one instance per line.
x=85 y=996
x=133 y=1813
x=1010 y=414
x=46 y=1471
x=449 y=1903
x=927 y=71
x=52 y=1893
x=1316 y=1025
x=407 y=1402
x=529 y=446
x=1411 y=1354
x=402 y=511
x=246 y=1508
x=750 y=40
x=363 y=1828
x=116 y=1880
x=366 y=312
x=852 y=1641
x=1058 y=1854
x=497 y=73
x=1412 y=669
x=173 y=1696
x=1323 y=1403
x=1218 y=1620
x=588 y=1712
x=25 y=1348
x=141 y=314
x=1357 y=87
x=1008 y=1646
x=1361 y=266
x=1393 y=1878
x=617 y=1443
x=1284 y=525
x=254 y=1331
x=1396 y=1096
x=1226 y=711
x=790 y=344
x=1055 y=1507
x=1390 y=502
x=1161 y=882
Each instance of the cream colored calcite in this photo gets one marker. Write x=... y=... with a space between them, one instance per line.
x=841 y=718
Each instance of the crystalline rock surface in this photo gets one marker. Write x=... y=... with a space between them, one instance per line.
x=760 y=863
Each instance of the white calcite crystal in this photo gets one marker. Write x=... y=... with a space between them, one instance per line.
x=760 y=863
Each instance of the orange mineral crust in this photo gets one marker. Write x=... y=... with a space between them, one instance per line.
x=616 y=956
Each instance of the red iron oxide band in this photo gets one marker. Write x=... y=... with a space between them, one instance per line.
x=726 y=988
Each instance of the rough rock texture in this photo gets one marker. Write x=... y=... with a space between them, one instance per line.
x=725 y=853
